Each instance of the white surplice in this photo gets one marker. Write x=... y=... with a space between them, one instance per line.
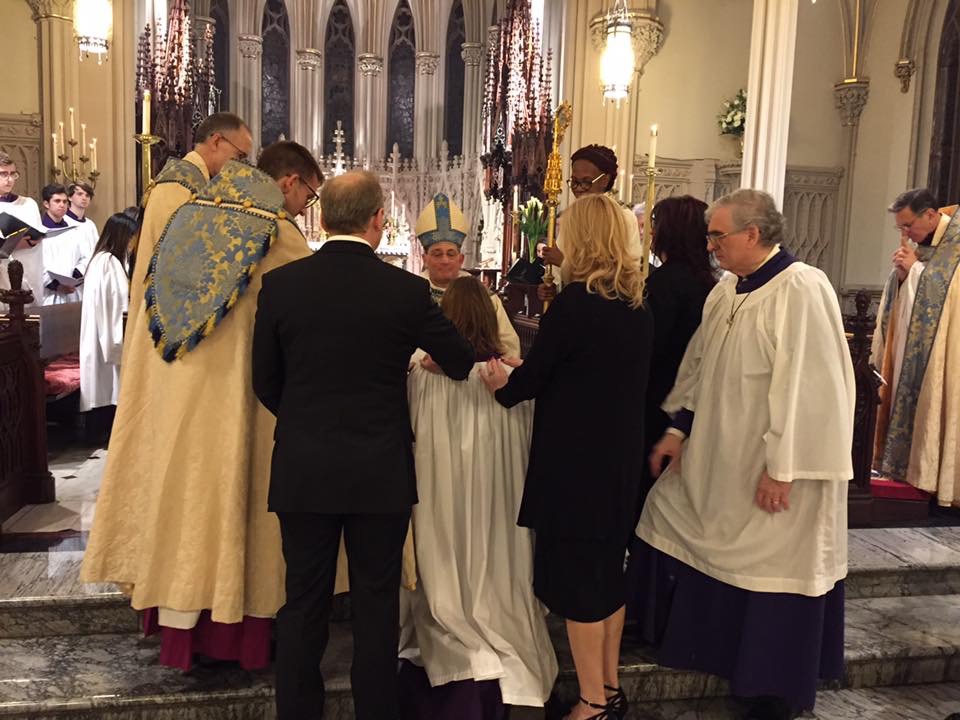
x=773 y=390
x=101 y=331
x=31 y=258
x=87 y=236
x=473 y=614
x=62 y=255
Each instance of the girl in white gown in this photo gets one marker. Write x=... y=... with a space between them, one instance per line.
x=106 y=290
x=473 y=624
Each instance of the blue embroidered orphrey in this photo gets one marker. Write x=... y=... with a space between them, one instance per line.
x=207 y=254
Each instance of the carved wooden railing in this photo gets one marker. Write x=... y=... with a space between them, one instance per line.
x=860 y=327
x=24 y=476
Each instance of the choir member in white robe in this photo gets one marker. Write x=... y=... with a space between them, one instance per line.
x=101 y=318
x=742 y=544
x=87 y=235
x=26 y=209
x=61 y=254
x=472 y=623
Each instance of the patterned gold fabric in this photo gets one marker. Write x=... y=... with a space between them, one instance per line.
x=206 y=255
x=179 y=171
x=940 y=269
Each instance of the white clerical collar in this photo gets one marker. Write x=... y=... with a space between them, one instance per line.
x=941 y=229
x=348 y=238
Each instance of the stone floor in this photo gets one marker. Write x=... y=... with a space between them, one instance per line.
x=69 y=650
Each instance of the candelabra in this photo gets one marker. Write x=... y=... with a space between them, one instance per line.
x=76 y=166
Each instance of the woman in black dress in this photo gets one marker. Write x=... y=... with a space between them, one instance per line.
x=588 y=371
x=676 y=292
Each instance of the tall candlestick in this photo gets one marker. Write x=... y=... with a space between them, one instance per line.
x=145 y=126
x=516 y=197
x=60 y=135
x=73 y=129
x=83 y=136
x=93 y=155
x=54 y=138
x=652 y=155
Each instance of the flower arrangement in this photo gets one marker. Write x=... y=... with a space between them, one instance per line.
x=533 y=224
x=733 y=119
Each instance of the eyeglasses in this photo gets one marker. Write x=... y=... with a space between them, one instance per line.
x=4 y=175
x=312 y=201
x=715 y=236
x=241 y=155
x=578 y=184
x=905 y=227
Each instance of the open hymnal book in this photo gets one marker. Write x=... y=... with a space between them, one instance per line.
x=13 y=230
x=67 y=281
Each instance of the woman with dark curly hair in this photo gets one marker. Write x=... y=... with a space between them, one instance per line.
x=676 y=292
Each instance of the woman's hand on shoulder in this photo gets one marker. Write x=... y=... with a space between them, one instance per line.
x=513 y=362
x=427 y=363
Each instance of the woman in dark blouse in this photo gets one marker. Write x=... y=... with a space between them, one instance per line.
x=588 y=371
x=676 y=292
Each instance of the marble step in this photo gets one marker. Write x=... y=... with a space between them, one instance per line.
x=890 y=642
x=912 y=702
x=40 y=593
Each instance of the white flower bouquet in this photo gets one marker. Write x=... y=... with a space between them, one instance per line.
x=733 y=119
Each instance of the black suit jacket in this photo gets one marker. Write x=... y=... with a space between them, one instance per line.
x=331 y=347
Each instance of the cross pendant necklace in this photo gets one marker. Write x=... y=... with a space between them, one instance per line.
x=735 y=310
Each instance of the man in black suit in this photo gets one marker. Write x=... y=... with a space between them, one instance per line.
x=332 y=342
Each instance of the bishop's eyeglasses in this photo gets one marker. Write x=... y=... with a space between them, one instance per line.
x=4 y=175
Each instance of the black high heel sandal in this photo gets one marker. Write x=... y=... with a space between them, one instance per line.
x=617 y=702
x=606 y=711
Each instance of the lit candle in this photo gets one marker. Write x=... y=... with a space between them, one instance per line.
x=83 y=136
x=516 y=197
x=93 y=154
x=145 y=127
x=73 y=128
x=652 y=156
x=61 y=138
x=54 y=138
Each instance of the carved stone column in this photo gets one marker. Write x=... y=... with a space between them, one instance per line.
x=249 y=84
x=306 y=122
x=428 y=107
x=59 y=70
x=370 y=133
x=472 y=54
x=850 y=98
x=769 y=92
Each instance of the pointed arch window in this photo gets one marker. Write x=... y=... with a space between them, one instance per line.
x=944 y=174
x=338 y=78
x=275 y=73
x=454 y=80
x=401 y=81
x=220 y=12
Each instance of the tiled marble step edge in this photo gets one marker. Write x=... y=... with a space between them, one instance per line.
x=902 y=582
x=890 y=642
x=81 y=615
x=916 y=702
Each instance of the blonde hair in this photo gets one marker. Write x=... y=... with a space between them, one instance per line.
x=595 y=237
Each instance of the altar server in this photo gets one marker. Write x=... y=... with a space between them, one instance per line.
x=182 y=517
x=101 y=324
x=742 y=544
x=87 y=236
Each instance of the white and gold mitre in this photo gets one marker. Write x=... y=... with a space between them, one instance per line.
x=441 y=221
